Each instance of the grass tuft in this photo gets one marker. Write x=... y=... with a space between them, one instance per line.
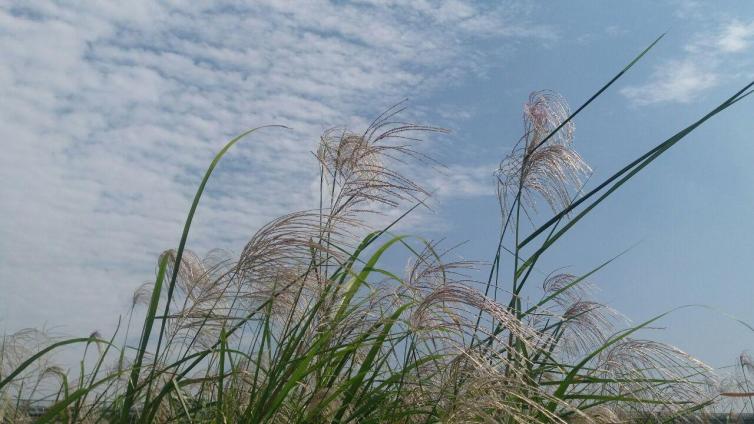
x=308 y=324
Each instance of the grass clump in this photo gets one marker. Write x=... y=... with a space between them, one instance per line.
x=308 y=325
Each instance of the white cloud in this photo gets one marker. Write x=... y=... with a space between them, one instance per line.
x=675 y=81
x=707 y=63
x=464 y=181
x=110 y=113
x=736 y=37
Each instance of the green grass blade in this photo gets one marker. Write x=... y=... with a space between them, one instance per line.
x=182 y=400
x=599 y=92
x=41 y=353
x=494 y=269
x=58 y=408
x=366 y=365
x=571 y=379
x=630 y=169
x=189 y=219
x=145 y=334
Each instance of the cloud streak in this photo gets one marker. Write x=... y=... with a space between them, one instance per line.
x=707 y=64
x=675 y=81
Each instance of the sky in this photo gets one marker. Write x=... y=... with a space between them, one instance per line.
x=109 y=114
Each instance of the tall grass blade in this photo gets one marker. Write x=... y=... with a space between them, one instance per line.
x=133 y=380
x=632 y=168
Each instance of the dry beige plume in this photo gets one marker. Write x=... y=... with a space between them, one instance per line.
x=539 y=163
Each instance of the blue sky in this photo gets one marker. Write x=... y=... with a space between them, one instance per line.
x=110 y=113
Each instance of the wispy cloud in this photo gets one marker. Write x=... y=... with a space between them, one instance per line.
x=707 y=63
x=675 y=81
x=110 y=113
x=737 y=37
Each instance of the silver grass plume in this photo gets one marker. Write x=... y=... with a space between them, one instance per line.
x=585 y=323
x=286 y=261
x=737 y=389
x=538 y=164
x=201 y=302
x=15 y=348
x=361 y=168
x=632 y=367
x=448 y=306
x=489 y=394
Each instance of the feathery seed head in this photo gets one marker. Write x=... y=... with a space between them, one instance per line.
x=543 y=162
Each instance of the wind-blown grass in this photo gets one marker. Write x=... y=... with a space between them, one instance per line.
x=308 y=325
